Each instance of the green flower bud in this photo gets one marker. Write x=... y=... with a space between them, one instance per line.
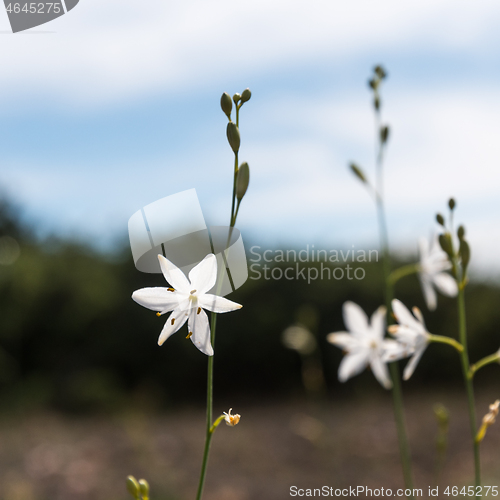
x=461 y=232
x=242 y=180
x=144 y=487
x=452 y=204
x=442 y=415
x=376 y=103
x=440 y=219
x=233 y=136
x=464 y=252
x=373 y=84
x=236 y=98
x=245 y=95
x=384 y=134
x=226 y=104
x=133 y=487
x=358 y=172
x=446 y=244
x=380 y=72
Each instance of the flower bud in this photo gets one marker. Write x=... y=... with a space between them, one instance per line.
x=226 y=104
x=358 y=172
x=236 y=98
x=380 y=72
x=233 y=136
x=451 y=203
x=376 y=103
x=384 y=134
x=242 y=180
x=133 y=487
x=245 y=95
x=442 y=415
x=461 y=232
x=446 y=244
x=440 y=219
x=144 y=487
x=464 y=252
x=373 y=84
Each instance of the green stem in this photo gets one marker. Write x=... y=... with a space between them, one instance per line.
x=401 y=272
x=493 y=358
x=446 y=340
x=468 y=384
x=397 y=393
x=209 y=434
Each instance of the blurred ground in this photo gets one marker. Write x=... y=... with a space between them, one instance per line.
x=55 y=457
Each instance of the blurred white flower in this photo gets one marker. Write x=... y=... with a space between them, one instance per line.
x=364 y=344
x=186 y=300
x=433 y=263
x=411 y=335
x=231 y=420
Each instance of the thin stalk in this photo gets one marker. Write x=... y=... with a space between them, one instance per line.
x=441 y=339
x=397 y=393
x=403 y=271
x=493 y=358
x=208 y=438
x=469 y=388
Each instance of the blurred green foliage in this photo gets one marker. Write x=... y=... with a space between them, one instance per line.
x=71 y=337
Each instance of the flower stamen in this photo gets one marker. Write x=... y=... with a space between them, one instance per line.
x=189 y=335
x=173 y=321
x=158 y=314
x=199 y=310
x=171 y=289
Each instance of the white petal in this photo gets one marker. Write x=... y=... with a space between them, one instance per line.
x=355 y=319
x=393 y=351
x=158 y=299
x=200 y=328
x=404 y=316
x=377 y=322
x=379 y=369
x=412 y=364
x=217 y=304
x=423 y=246
x=343 y=340
x=352 y=364
x=429 y=293
x=174 y=322
x=405 y=334
x=175 y=277
x=204 y=275
x=446 y=284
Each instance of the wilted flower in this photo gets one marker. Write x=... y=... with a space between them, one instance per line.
x=364 y=344
x=411 y=335
x=488 y=419
x=231 y=420
x=433 y=263
x=186 y=300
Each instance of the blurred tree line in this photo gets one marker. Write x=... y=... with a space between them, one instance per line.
x=71 y=338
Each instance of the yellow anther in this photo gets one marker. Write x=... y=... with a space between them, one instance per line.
x=192 y=291
x=199 y=310
x=171 y=289
x=189 y=335
x=173 y=321
x=158 y=314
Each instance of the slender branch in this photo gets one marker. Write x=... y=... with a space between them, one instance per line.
x=403 y=271
x=493 y=358
x=446 y=340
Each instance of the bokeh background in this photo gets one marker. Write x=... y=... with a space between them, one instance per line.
x=116 y=105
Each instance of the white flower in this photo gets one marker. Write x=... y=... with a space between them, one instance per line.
x=364 y=344
x=186 y=300
x=433 y=261
x=411 y=335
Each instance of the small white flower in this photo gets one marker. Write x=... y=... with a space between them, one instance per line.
x=364 y=344
x=186 y=300
x=433 y=263
x=231 y=420
x=411 y=335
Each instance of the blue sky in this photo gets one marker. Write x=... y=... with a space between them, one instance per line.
x=116 y=105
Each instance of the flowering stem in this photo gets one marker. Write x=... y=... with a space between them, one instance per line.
x=401 y=272
x=469 y=388
x=446 y=340
x=493 y=358
x=208 y=438
x=397 y=393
